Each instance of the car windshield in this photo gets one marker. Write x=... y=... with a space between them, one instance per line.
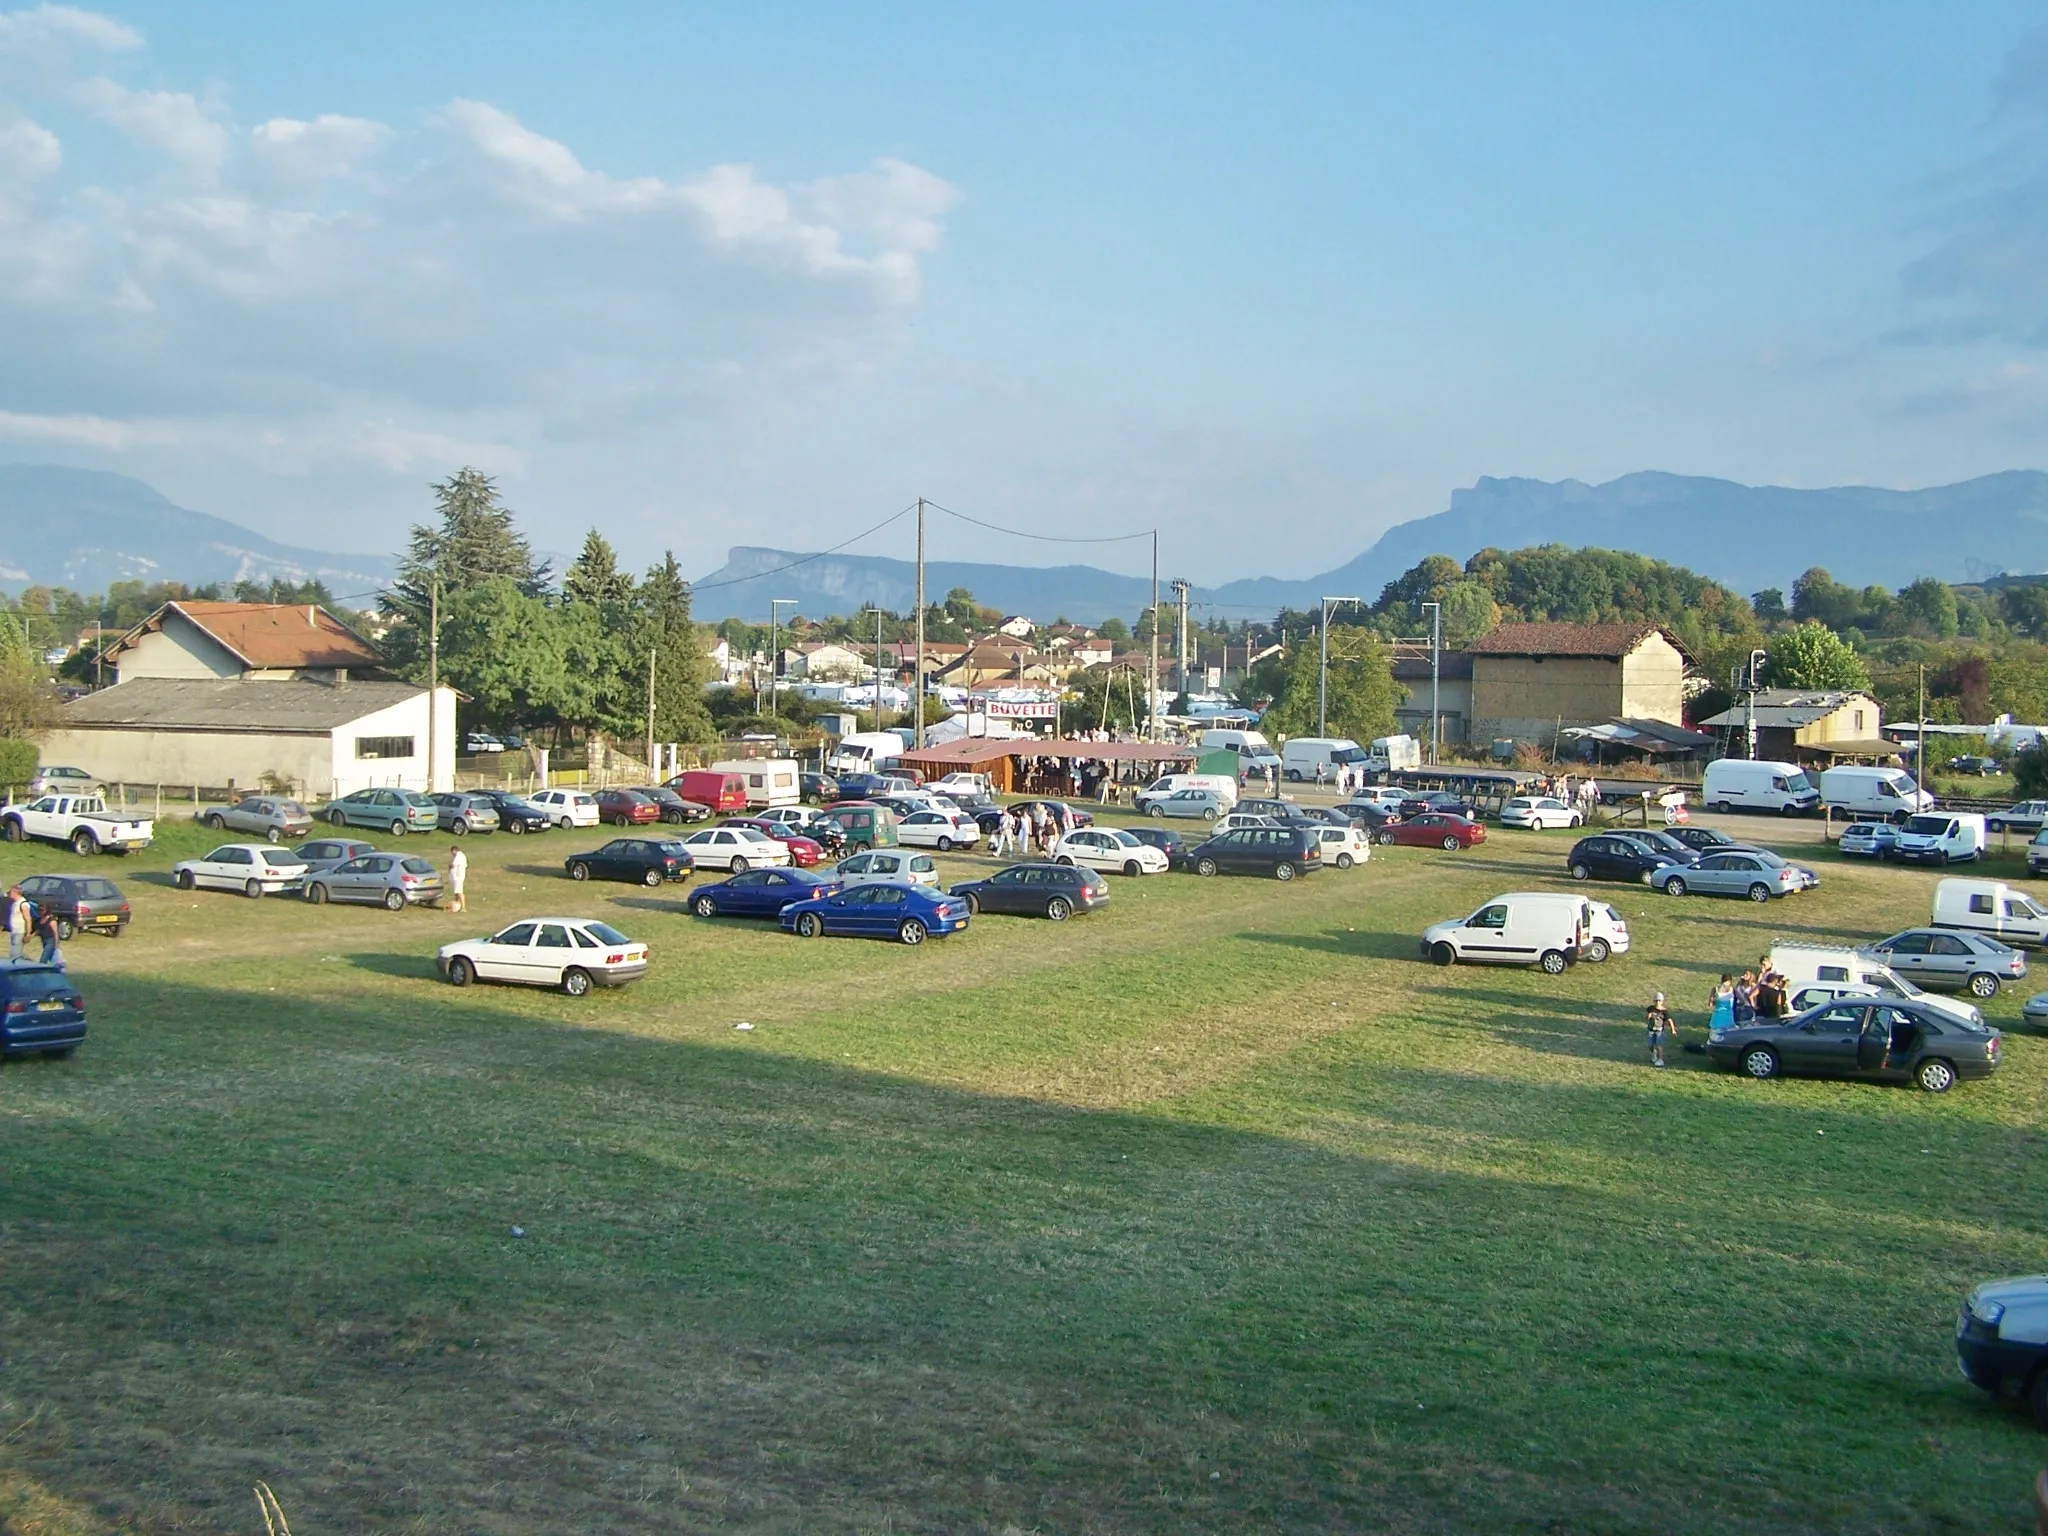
x=1928 y=826
x=282 y=858
x=1121 y=838
x=416 y=866
x=417 y=801
x=606 y=932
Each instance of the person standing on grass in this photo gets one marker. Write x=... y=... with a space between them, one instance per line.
x=1658 y=1023
x=458 y=873
x=1744 y=1008
x=17 y=922
x=1721 y=1004
x=46 y=930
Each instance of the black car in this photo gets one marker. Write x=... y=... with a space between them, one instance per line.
x=41 y=1012
x=643 y=860
x=1366 y=814
x=1282 y=852
x=1036 y=890
x=1613 y=856
x=1674 y=849
x=1167 y=842
x=515 y=813
x=80 y=903
x=816 y=788
x=1892 y=1040
x=1441 y=800
x=1702 y=839
x=674 y=808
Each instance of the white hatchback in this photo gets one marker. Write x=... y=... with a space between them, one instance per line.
x=1344 y=846
x=943 y=830
x=567 y=807
x=1111 y=850
x=1539 y=812
x=254 y=869
x=735 y=848
x=572 y=953
x=888 y=866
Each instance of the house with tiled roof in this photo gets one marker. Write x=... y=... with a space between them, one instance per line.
x=1529 y=681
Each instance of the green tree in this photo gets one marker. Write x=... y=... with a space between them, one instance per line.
x=680 y=662
x=1117 y=690
x=1469 y=611
x=961 y=608
x=1769 y=605
x=595 y=577
x=509 y=650
x=2030 y=773
x=472 y=544
x=1811 y=655
x=1114 y=629
x=1362 y=691
x=1929 y=607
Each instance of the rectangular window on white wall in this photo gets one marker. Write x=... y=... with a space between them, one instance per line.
x=383 y=746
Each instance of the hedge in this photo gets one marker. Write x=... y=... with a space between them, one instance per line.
x=17 y=762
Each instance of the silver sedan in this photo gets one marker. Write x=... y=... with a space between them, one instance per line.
x=268 y=816
x=1752 y=872
x=392 y=880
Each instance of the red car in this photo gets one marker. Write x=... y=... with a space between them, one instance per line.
x=626 y=807
x=803 y=851
x=1433 y=829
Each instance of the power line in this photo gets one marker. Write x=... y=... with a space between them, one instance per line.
x=1043 y=538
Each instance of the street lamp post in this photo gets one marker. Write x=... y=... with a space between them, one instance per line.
x=1323 y=667
x=775 y=607
x=1436 y=635
x=1755 y=660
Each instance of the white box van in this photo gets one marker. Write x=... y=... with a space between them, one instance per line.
x=1543 y=928
x=1739 y=784
x=867 y=752
x=1393 y=753
x=1853 y=975
x=2004 y=912
x=1255 y=754
x=1887 y=792
x=1302 y=755
x=1222 y=785
x=1941 y=837
x=770 y=780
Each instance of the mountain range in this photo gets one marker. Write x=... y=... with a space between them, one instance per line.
x=86 y=528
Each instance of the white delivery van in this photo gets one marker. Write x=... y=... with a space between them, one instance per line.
x=770 y=780
x=1390 y=754
x=1255 y=754
x=1854 y=974
x=1991 y=907
x=1941 y=837
x=1741 y=784
x=1545 y=928
x=867 y=752
x=1300 y=756
x=1886 y=792
x=1222 y=785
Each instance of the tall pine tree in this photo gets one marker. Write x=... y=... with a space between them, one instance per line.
x=680 y=662
x=595 y=576
x=472 y=544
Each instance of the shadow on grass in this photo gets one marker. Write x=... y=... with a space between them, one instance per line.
x=412 y=967
x=540 y=871
x=1362 y=944
x=161 y=878
x=677 y=907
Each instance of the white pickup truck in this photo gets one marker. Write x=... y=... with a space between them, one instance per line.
x=80 y=820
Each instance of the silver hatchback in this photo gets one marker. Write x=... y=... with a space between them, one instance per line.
x=462 y=814
x=392 y=880
x=268 y=816
x=325 y=853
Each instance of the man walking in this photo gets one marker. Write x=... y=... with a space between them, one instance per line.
x=458 y=872
x=1657 y=1023
x=16 y=912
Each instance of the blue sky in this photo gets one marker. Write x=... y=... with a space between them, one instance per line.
x=1272 y=278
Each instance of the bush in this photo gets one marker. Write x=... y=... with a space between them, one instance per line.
x=2030 y=773
x=18 y=761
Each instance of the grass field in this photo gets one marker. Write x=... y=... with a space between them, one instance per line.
x=1216 y=1211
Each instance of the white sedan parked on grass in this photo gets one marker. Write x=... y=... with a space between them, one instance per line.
x=1540 y=813
x=943 y=830
x=254 y=869
x=735 y=848
x=1111 y=850
x=573 y=953
x=567 y=807
x=1344 y=846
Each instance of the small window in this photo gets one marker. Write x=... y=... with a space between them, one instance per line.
x=584 y=940
x=1832 y=972
x=554 y=936
x=1489 y=917
x=1981 y=903
x=519 y=934
x=1859 y=721
x=383 y=746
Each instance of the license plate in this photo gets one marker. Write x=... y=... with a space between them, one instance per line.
x=48 y=1005
x=108 y=921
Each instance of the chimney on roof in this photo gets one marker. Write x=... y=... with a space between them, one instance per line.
x=312 y=617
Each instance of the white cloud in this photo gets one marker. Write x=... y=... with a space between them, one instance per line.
x=86 y=431
x=49 y=32
x=171 y=122
x=28 y=152
x=297 y=153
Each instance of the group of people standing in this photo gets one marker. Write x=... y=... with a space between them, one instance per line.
x=25 y=920
x=1758 y=993
x=1030 y=828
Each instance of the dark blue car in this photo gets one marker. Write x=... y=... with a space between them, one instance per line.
x=884 y=910
x=760 y=892
x=40 y=1011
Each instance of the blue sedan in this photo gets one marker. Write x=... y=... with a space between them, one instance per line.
x=761 y=892
x=883 y=910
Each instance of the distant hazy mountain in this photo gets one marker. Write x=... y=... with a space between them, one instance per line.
x=85 y=529
x=848 y=583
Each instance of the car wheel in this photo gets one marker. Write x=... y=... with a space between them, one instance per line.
x=1721 y=808
x=1582 y=872
x=1442 y=953
x=1283 y=870
x=650 y=878
x=316 y=893
x=515 y=826
x=1759 y=892
x=944 y=845
x=337 y=818
x=1208 y=813
x=216 y=821
x=460 y=972
x=398 y=829
x=394 y=901
x=564 y=823
x=1576 y=821
x=65 y=929
x=739 y=864
x=1058 y=909
x=579 y=871
x=253 y=890
x=1451 y=844
x=910 y=931
x=460 y=829
x=1984 y=984
x=1935 y=1075
x=973 y=904
x=1598 y=951
x=1156 y=812
x=1384 y=839
x=863 y=847
x=808 y=925
x=576 y=981
x=185 y=880
x=1064 y=858
x=705 y=905
x=274 y=835
x=84 y=844
x=1132 y=867
x=1205 y=866
x=13 y=831
x=1760 y=1062
x=1553 y=962
x=1674 y=886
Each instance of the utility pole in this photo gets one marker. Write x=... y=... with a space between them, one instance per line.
x=917 y=678
x=1323 y=666
x=1152 y=678
x=1755 y=660
x=876 y=610
x=775 y=607
x=1180 y=593
x=653 y=773
x=1436 y=637
x=433 y=682
x=1920 y=752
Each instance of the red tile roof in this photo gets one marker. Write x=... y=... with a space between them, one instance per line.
x=270 y=636
x=1610 y=641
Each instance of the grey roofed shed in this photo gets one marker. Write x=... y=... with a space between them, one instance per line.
x=1786 y=707
x=231 y=704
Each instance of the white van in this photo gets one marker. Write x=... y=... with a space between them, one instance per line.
x=1543 y=928
x=867 y=752
x=1991 y=907
x=1941 y=837
x=1740 y=784
x=1301 y=756
x=1390 y=754
x=1255 y=754
x=1850 y=974
x=1222 y=785
x=770 y=780
x=1886 y=792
